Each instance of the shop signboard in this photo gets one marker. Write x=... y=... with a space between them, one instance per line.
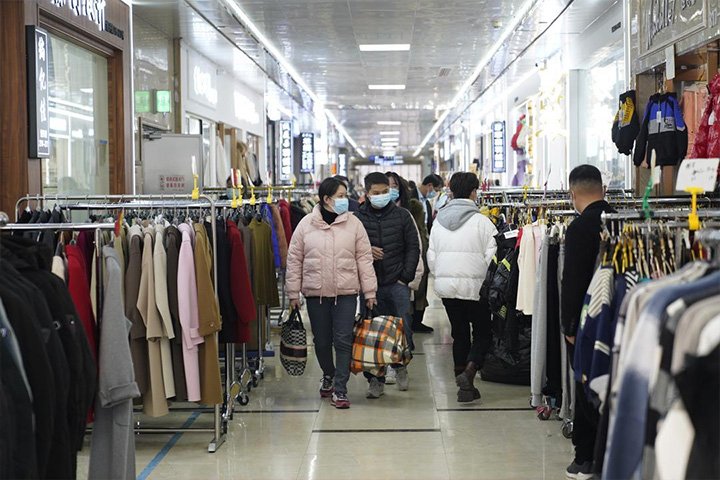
x=664 y=22
x=342 y=164
x=286 y=151
x=38 y=44
x=203 y=80
x=499 y=160
x=93 y=10
x=307 y=152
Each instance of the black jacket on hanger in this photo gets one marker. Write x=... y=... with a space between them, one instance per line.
x=626 y=125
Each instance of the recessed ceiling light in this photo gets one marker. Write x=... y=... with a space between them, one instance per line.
x=389 y=133
x=386 y=87
x=384 y=47
x=389 y=122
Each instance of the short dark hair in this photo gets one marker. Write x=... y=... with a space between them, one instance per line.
x=462 y=184
x=375 y=178
x=434 y=179
x=586 y=177
x=329 y=187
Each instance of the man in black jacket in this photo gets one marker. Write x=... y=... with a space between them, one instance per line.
x=582 y=244
x=396 y=252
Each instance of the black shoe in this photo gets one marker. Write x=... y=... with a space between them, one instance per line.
x=422 y=328
x=580 y=471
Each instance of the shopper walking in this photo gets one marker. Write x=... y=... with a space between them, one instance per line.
x=396 y=253
x=462 y=245
x=582 y=244
x=330 y=261
x=428 y=190
x=400 y=194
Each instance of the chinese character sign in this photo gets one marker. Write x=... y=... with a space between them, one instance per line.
x=38 y=122
x=307 y=163
x=286 y=151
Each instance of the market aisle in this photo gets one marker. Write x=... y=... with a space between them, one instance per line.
x=288 y=432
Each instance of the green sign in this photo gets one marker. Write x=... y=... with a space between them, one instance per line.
x=142 y=101
x=163 y=101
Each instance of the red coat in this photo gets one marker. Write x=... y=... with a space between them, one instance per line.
x=285 y=216
x=240 y=286
x=79 y=288
x=707 y=140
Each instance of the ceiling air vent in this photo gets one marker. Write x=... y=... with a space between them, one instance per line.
x=444 y=72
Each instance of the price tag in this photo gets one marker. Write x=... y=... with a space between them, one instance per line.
x=697 y=173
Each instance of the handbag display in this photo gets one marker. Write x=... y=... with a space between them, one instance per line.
x=293 y=344
x=379 y=341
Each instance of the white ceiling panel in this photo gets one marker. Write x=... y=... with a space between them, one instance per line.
x=448 y=38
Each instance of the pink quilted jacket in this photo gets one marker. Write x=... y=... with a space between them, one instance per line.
x=330 y=260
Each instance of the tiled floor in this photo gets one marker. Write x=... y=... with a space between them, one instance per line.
x=497 y=438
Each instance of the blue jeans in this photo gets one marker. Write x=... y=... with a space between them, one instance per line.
x=332 y=324
x=394 y=300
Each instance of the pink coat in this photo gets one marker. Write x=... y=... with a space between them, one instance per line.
x=330 y=260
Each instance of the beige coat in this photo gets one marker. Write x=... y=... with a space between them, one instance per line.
x=154 y=400
x=163 y=305
x=330 y=260
x=209 y=316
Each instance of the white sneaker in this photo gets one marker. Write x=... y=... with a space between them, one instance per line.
x=390 y=376
x=376 y=389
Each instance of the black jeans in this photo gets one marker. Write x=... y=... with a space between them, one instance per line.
x=469 y=346
x=585 y=422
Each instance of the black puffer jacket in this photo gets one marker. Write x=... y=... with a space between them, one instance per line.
x=392 y=229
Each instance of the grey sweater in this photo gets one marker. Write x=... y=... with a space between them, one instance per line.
x=112 y=454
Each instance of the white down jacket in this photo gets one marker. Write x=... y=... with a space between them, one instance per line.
x=462 y=245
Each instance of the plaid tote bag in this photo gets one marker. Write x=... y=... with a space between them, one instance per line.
x=293 y=344
x=379 y=341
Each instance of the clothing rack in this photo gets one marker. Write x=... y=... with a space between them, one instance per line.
x=222 y=413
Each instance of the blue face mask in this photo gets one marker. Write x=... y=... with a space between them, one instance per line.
x=380 y=201
x=341 y=205
x=431 y=194
x=394 y=194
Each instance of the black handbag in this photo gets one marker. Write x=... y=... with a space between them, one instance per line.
x=293 y=344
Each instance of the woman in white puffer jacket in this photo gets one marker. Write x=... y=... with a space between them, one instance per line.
x=462 y=245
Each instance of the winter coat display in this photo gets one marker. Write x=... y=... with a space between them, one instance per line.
x=393 y=229
x=663 y=130
x=330 y=260
x=461 y=249
x=519 y=139
x=707 y=140
x=626 y=125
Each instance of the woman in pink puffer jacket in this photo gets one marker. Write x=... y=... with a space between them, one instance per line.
x=330 y=262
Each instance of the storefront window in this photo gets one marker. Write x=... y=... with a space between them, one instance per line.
x=78 y=89
x=603 y=85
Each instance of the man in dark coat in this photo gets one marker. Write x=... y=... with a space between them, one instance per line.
x=396 y=253
x=582 y=244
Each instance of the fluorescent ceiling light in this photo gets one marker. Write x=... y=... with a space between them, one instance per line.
x=390 y=144
x=388 y=122
x=268 y=45
x=389 y=133
x=384 y=47
x=517 y=19
x=386 y=87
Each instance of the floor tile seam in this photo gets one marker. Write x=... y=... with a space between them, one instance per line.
x=158 y=458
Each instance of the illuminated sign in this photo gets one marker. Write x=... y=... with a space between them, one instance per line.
x=286 y=151
x=498 y=147
x=142 y=101
x=342 y=164
x=307 y=159
x=38 y=43
x=163 y=101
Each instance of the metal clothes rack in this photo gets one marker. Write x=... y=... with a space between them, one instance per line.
x=221 y=413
